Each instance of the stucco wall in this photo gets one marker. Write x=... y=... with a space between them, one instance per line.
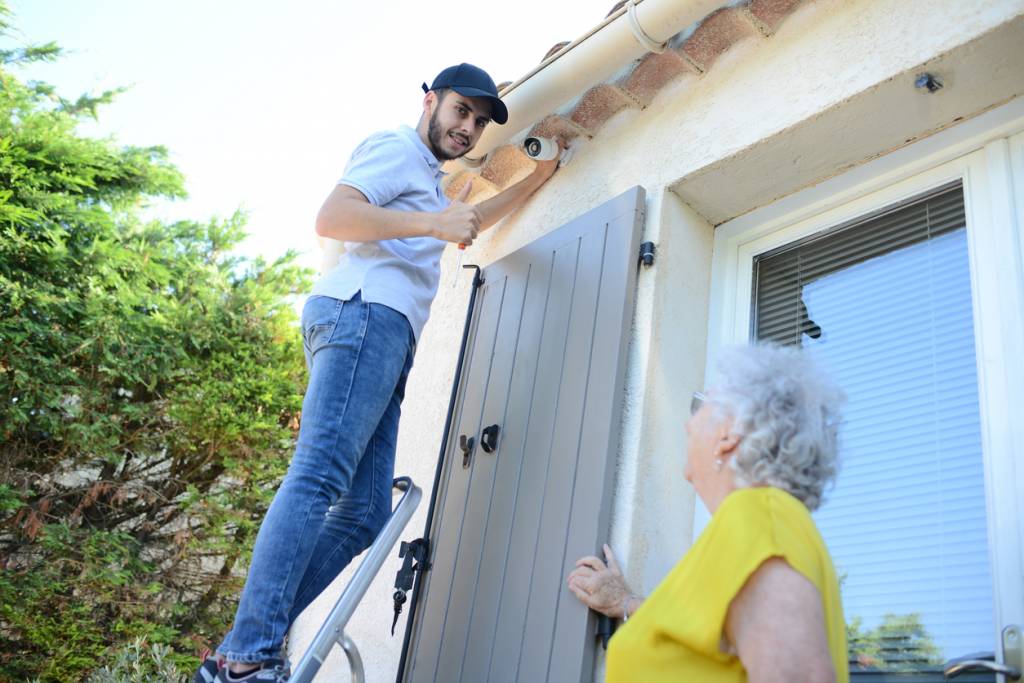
x=827 y=53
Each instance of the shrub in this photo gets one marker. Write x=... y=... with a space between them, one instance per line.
x=150 y=384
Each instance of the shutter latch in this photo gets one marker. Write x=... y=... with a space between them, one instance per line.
x=415 y=554
x=466 y=444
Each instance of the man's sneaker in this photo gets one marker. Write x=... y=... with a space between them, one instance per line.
x=207 y=671
x=272 y=671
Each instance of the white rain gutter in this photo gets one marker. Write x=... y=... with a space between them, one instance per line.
x=639 y=27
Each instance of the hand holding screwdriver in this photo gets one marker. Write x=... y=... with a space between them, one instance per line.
x=460 y=222
x=462 y=211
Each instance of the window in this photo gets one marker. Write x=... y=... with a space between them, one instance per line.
x=886 y=302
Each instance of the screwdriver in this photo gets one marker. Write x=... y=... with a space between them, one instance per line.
x=458 y=267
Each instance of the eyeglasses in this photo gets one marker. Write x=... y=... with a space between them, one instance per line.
x=697 y=401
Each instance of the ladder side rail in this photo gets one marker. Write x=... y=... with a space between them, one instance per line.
x=332 y=630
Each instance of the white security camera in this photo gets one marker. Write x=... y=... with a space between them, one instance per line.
x=541 y=149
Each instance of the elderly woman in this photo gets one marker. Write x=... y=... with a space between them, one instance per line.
x=756 y=597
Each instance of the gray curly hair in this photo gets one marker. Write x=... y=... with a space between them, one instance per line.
x=787 y=410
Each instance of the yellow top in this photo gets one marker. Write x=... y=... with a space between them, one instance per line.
x=676 y=633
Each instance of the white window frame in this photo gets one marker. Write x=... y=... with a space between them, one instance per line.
x=987 y=155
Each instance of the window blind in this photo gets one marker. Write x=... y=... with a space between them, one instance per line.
x=885 y=302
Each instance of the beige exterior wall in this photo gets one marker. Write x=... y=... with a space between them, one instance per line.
x=778 y=101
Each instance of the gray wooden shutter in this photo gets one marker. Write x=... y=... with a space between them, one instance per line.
x=547 y=364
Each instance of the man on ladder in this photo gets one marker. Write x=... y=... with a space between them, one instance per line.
x=360 y=328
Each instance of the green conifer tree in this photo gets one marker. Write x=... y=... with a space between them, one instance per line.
x=150 y=384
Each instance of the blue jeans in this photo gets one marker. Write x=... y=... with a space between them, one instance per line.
x=336 y=495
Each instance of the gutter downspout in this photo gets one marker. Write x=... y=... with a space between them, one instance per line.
x=640 y=26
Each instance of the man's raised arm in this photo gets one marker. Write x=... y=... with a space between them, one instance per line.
x=347 y=215
x=511 y=198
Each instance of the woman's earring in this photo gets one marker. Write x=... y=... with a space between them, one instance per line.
x=718 y=464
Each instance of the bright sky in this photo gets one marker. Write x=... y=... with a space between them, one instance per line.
x=259 y=102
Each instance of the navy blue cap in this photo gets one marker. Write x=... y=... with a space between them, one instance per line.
x=471 y=81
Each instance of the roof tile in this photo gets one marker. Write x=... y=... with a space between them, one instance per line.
x=716 y=34
x=554 y=125
x=654 y=71
x=771 y=13
x=599 y=104
x=505 y=164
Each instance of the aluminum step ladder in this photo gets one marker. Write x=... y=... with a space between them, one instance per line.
x=332 y=632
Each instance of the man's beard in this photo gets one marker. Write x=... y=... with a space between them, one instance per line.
x=435 y=136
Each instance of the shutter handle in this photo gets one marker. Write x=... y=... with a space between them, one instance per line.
x=466 y=444
x=985 y=661
x=489 y=438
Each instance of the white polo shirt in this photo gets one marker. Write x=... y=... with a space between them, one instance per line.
x=393 y=170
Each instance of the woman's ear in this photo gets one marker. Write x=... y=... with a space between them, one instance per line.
x=727 y=442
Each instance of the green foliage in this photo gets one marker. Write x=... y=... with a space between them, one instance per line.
x=899 y=643
x=139 y=663
x=150 y=383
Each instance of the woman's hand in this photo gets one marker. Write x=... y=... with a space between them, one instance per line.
x=601 y=587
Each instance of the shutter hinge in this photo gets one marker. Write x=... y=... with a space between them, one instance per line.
x=647 y=253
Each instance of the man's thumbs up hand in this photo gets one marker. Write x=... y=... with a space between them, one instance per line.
x=460 y=222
